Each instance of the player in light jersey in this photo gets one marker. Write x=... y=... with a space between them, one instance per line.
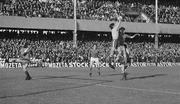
x=115 y=33
x=24 y=59
x=94 y=53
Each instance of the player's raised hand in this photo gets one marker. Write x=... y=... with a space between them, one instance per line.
x=119 y=18
x=137 y=34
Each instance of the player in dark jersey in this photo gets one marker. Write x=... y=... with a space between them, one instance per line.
x=121 y=47
x=94 y=58
x=120 y=43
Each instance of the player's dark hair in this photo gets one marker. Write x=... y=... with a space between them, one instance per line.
x=111 y=25
x=125 y=45
x=122 y=28
x=94 y=45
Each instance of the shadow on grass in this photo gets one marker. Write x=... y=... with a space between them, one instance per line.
x=147 y=76
x=60 y=89
x=116 y=74
x=72 y=77
x=39 y=77
x=54 y=77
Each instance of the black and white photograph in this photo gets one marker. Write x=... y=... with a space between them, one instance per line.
x=89 y=51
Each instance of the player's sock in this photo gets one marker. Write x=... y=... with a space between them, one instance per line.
x=99 y=73
x=122 y=76
x=110 y=63
x=123 y=72
x=28 y=77
x=125 y=76
x=90 y=74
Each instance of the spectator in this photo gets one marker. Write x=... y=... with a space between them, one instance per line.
x=91 y=9
x=55 y=51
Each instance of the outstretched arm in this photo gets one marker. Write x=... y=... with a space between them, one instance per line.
x=128 y=36
x=117 y=24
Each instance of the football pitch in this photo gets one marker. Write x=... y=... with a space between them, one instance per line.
x=145 y=85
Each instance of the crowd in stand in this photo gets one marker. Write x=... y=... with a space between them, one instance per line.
x=92 y=9
x=63 y=51
x=145 y=52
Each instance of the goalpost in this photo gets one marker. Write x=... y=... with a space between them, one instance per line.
x=156 y=35
x=75 y=25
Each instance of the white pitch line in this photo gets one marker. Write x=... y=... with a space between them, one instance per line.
x=131 y=88
x=136 y=89
x=139 y=89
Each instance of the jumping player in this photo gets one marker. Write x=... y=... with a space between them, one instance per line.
x=94 y=59
x=122 y=48
x=118 y=42
x=115 y=33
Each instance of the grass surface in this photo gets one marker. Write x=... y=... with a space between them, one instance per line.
x=148 y=85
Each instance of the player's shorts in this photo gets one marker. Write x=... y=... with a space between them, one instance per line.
x=94 y=60
x=116 y=43
x=121 y=60
x=121 y=49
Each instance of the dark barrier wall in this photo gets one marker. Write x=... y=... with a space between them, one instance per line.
x=84 y=25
